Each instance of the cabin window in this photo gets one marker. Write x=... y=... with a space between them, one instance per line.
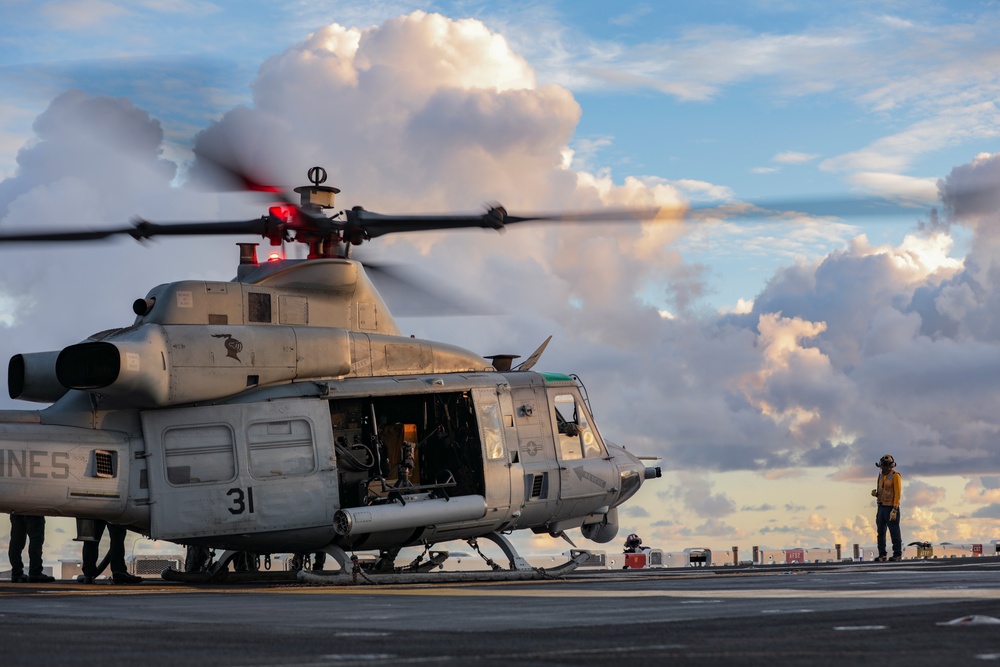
x=576 y=438
x=489 y=421
x=199 y=454
x=281 y=448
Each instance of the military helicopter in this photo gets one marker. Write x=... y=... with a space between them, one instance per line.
x=284 y=411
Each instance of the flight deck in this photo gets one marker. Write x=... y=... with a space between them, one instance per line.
x=912 y=613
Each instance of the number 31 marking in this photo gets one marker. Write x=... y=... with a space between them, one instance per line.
x=242 y=501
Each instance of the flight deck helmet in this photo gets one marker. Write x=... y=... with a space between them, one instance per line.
x=886 y=460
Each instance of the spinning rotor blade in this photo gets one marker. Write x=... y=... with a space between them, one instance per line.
x=64 y=236
x=412 y=293
x=363 y=225
x=841 y=207
x=217 y=177
x=369 y=225
x=742 y=210
x=218 y=168
x=226 y=173
x=143 y=229
x=606 y=215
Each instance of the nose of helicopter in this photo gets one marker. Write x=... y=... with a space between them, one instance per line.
x=631 y=472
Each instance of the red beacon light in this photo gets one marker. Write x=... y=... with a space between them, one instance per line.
x=284 y=212
x=274 y=257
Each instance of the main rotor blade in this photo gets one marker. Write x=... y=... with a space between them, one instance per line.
x=217 y=168
x=67 y=235
x=372 y=225
x=604 y=215
x=143 y=229
x=840 y=207
x=744 y=210
x=412 y=293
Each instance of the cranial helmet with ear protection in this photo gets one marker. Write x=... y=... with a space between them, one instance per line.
x=886 y=460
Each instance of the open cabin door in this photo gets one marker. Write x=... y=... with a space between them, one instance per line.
x=492 y=433
x=238 y=469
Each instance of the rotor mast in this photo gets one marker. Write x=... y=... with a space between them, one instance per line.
x=314 y=199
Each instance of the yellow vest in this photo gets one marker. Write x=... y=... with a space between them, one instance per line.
x=889 y=489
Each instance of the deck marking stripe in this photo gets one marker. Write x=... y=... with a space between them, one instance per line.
x=550 y=592
x=756 y=593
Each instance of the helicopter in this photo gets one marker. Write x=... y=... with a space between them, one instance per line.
x=285 y=412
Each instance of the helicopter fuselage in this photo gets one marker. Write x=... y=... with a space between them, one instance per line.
x=285 y=412
x=364 y=463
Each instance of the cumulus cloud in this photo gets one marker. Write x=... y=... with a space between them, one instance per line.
x=991 y=511
x=922 y=494
x=695 y=492
x=981 y=491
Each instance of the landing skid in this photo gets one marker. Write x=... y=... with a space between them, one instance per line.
x=516 y=562
x=422 y=570
x=226 y=577
x=385 y=563
x=350 y=578
x=219 y=573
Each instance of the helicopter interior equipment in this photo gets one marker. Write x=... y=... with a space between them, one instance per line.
x=284 y=412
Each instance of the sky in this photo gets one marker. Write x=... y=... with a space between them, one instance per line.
x=769 y=360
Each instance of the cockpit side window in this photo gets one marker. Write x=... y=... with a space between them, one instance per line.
x=576 y=438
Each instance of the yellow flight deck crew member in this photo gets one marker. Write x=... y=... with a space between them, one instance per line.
x=888 y=489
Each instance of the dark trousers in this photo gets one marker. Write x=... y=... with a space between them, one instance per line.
x=91 y=550
x=318 y=561
x=30 y=529
x=881 y=523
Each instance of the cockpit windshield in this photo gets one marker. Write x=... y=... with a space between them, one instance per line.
x=576 y=438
